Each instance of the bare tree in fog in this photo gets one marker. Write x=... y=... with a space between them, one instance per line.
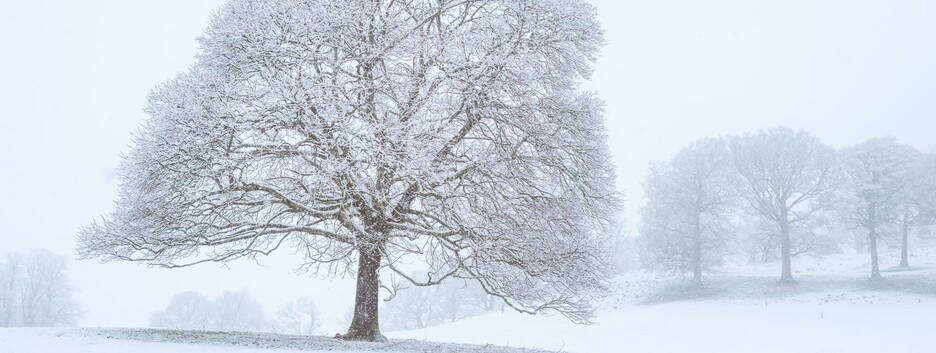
x=689 y=203
x=876 y=178
x=917 y=203
x=298 y=317
x=186 y=311
x=35 y=291
x=452 y=133
x=412 y=308
x=788 y=179
x=421 y=307
x=230 y=311
x=238 y=311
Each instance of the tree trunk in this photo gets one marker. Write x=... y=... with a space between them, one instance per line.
x=786 y=274
x=872 y=247
x=905 y=242
x=697 y=257
x=364 y=325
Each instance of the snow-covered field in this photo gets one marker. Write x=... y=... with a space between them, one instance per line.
x=819 y=322
x=72 y=340
x=741 y=309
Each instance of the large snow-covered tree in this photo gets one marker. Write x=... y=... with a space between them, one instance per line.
x=688 y=211
x=788 y=179
x=875 y=179
x=375 y=132
x=917 y=202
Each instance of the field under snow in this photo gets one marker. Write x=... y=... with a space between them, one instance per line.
x=72 y=340
x=832 y=309
x=740 y=309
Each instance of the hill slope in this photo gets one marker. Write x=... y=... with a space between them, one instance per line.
x=739 y=309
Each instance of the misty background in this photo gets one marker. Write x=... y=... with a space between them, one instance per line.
x=75 y=76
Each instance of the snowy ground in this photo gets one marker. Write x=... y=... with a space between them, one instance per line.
x=852 y=323
x=50 y=340
x=740 y=309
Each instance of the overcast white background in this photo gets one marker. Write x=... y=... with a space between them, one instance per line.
x=74 y=76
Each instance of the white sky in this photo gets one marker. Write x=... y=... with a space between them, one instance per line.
x=74 y=76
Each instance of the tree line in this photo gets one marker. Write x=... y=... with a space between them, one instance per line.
x=790 y=191
x=35 y=291
x=421 y=307
x=410 y=308
x=235 y=311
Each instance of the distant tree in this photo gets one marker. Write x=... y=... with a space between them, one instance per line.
x=238 y=311
x=36 y=292
x=298 y=317
x=11 y=278
x=448 y=132
x=788 y=178
x=460 y=299
x=230 y=311
x=688 y=211
x=817 y=235
x=412 y=308
x=186 y=311
x=421 y=307
x=917 y=202
x=876 y=179
x=347 y=317
x=624 y=247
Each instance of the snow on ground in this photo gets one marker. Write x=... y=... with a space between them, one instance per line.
x=59 y=340
x=849 y=323
x=740 y=309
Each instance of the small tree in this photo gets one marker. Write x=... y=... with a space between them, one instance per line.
x=460 y=299
x=876 y=177
x=689 y=203
x=298 y=317
x=421 y=307
x=788 y=178
x=186 y=311
x=230 y=311
x=378 y=132
x=238 y=311
x=413 y=308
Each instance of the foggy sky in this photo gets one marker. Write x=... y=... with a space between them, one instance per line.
x=74 y=77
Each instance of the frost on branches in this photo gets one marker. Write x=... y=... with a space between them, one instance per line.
x=875 y=189
x=687 y=218
x=917 y=206
x=381 y=132
x=788 y=179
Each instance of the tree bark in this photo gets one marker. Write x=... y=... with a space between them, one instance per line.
x=365 y=325
x=905 y=242
x=786 y=273
x=697 y=256
x=872 y=247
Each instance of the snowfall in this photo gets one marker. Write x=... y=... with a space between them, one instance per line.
x=833 y=308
